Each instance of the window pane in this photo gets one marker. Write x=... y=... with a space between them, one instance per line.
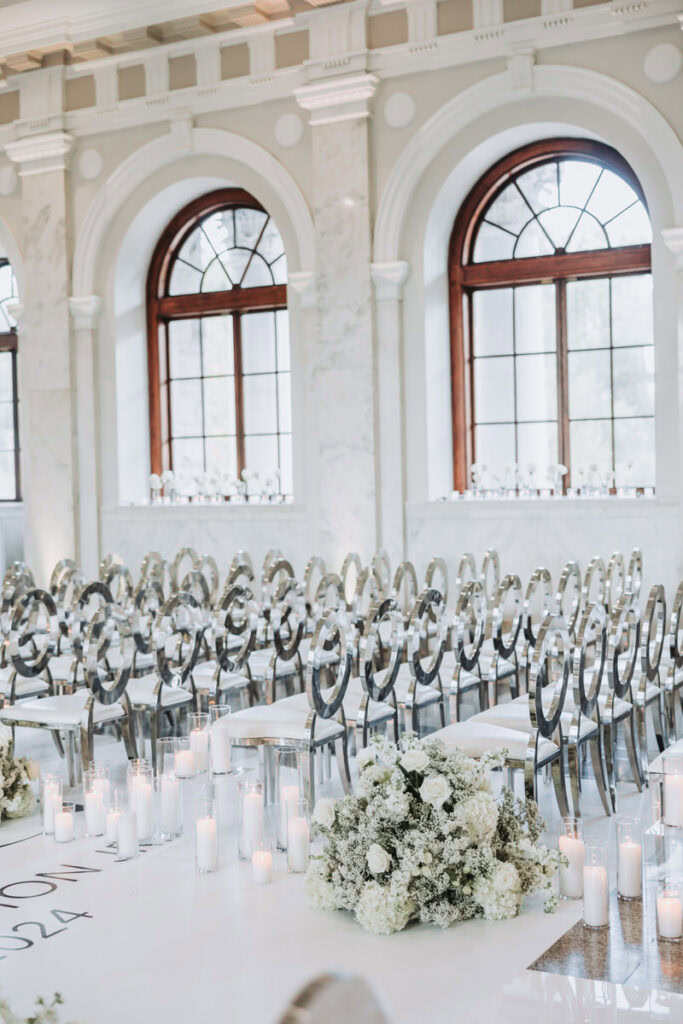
x=186 y=408
x=188 y=459
x=260 y=454
x=577 y=178
x=215 y=278
x=235 y=263
x=217 y=347
x=559 y=224
x=220 y=230
x=536 y=387
x=492 y=244
x=633 y=372
x=185 y=280
x=533 y=242
x=492 y=320
x=271 y=245
x=6 y=426
x=248 y=226
x=183 y=343
x=590 y=444
x=258 y=343
x=589 y=385
x=197 y=250
x=588 y=234
x=632 y=227
x=539 y=186
x=260 y=409
x=279 y=270
x=282 y=326
x=537 y=444
x=588 y=314
x=221 y=455
x=493 y=390
x=509 y=210
x=634 y=456
x=612 y=195
x=495 y=447
x=286 y=475
x=284 y=402
x=6 y=384
x=219 y=405
x=7 y=483
x=535 y=318
x=632 y=310
x=257 y=275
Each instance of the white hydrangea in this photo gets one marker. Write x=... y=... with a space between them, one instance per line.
x=500 y=895
x=319 y=891
x=477 y=816
x=377 y=911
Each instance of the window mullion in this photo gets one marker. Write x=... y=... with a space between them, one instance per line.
x=562 y=376
x=239 y=390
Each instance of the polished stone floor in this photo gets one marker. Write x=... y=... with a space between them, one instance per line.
x=150 y=940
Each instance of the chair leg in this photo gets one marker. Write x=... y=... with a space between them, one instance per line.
x=128 y=734
x=632 y=750
x=87 y=753
x=609 y=732
x=574 y=777
x=71 y=758
x=557 y=769
x=659 y=725
x=57 y=740
x=442 y=711
x=341 y=751
x=308 y=771
x=595 y=746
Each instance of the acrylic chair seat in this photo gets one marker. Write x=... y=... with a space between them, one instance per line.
x=476 y=738
x=142 y=693
x=64 y=710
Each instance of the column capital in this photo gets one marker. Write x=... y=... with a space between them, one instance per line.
x=15 y=308
x=338 y=99
x=673 y=239
x=388 y=278
x=37 y=154
x=85 y=311
x=303 y=283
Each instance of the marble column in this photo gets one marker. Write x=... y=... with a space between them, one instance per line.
x=388 y=280
x=673 y=239
x=341 y=381
x=44 y=362
x=85 y=314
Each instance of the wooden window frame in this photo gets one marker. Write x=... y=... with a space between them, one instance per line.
x=163 y=308
x=465 y=277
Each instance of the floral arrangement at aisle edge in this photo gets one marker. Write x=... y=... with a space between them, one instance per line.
x=423 y=839
x=16 y=774
x=45 y=1013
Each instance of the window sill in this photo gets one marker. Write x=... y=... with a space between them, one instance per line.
x=228 y=510
x=544 y=508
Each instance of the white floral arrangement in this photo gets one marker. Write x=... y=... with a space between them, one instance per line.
x=16 y=775
x=424 y=839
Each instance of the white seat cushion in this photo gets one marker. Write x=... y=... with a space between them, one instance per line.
x=259 y=664
x=478 y=738
x=204 y=676
x=515 y=715
x=621 y=707
x=377 y=712
x=652 y=692
x=61 y=668
x=62 y=710
x=271 y=721
x=326 y=657
x=423 y=694
x=23 y=686
x=141 y=692
x=143 y=661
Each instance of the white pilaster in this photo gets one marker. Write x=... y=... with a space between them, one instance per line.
x=673 y=239
x=422 y=20
x=487 y=13
x=208 y=61
x=85 y=314
x=262 y=54
x=157 y=74
x=106 y=86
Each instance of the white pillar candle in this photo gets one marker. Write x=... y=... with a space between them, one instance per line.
x=207 y=844
x=673 y=800
x=289 y=808
x=252 y=821
x=102 y=786
x=297 y=844
x=221 y=749
x=64 y=826
x=629 y=870
x=571 y=877
x=262 y=866
x=143 y=801
x=199 y=745
x=595 y=896
x=94 y=813
x=184 y=764
x=51 y=801
x=670 y=917
x=170 y=805
x=111 y=828
x=127 y=834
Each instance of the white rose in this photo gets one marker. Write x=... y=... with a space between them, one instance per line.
x=414 y=760
x=435 y=790
x=378 y=859
x=324 y=812
x=364 y=757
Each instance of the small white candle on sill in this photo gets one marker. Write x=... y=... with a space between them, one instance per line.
x=595 y=896
x=111 y=827
x=571 y=877
x=170 y=805
x=289 y=806
x=184 y=764
x=630 y=870
x=64 y=825
x=199 y=747
x=262 y=867
x=94 y=813
x=207 y=844
x=670 y=917
x=127 y=835
x=221 y=750
x=297 y=844
x=252 y=821
x=673 y=800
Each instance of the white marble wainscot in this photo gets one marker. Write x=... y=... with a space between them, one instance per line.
x=341 y=375
x=218 y=530
x=528 y=534
x=12 y=526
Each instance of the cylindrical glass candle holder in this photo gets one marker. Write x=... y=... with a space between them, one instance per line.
x=206 y=836
x=571 y=845
x=262 y=862
x=629 y=859
x=166 y=755
x=126 y=827
x=65 y=823
x=250 y=796
x=50 y=798
x=102 y=782
x=141 y=798
x=135 y=766
x=119 y=801
x=298 y=836
x=672 y=788
x=288 y=786
x=595 y=886
x=198 y=727
x=183 y=759
x=94 y=804
x=220 y=740
x=170 y=803
x=669 y=911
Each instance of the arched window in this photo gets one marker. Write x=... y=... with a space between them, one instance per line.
x=10 y=484
x=218 y=342
x=551 y=317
